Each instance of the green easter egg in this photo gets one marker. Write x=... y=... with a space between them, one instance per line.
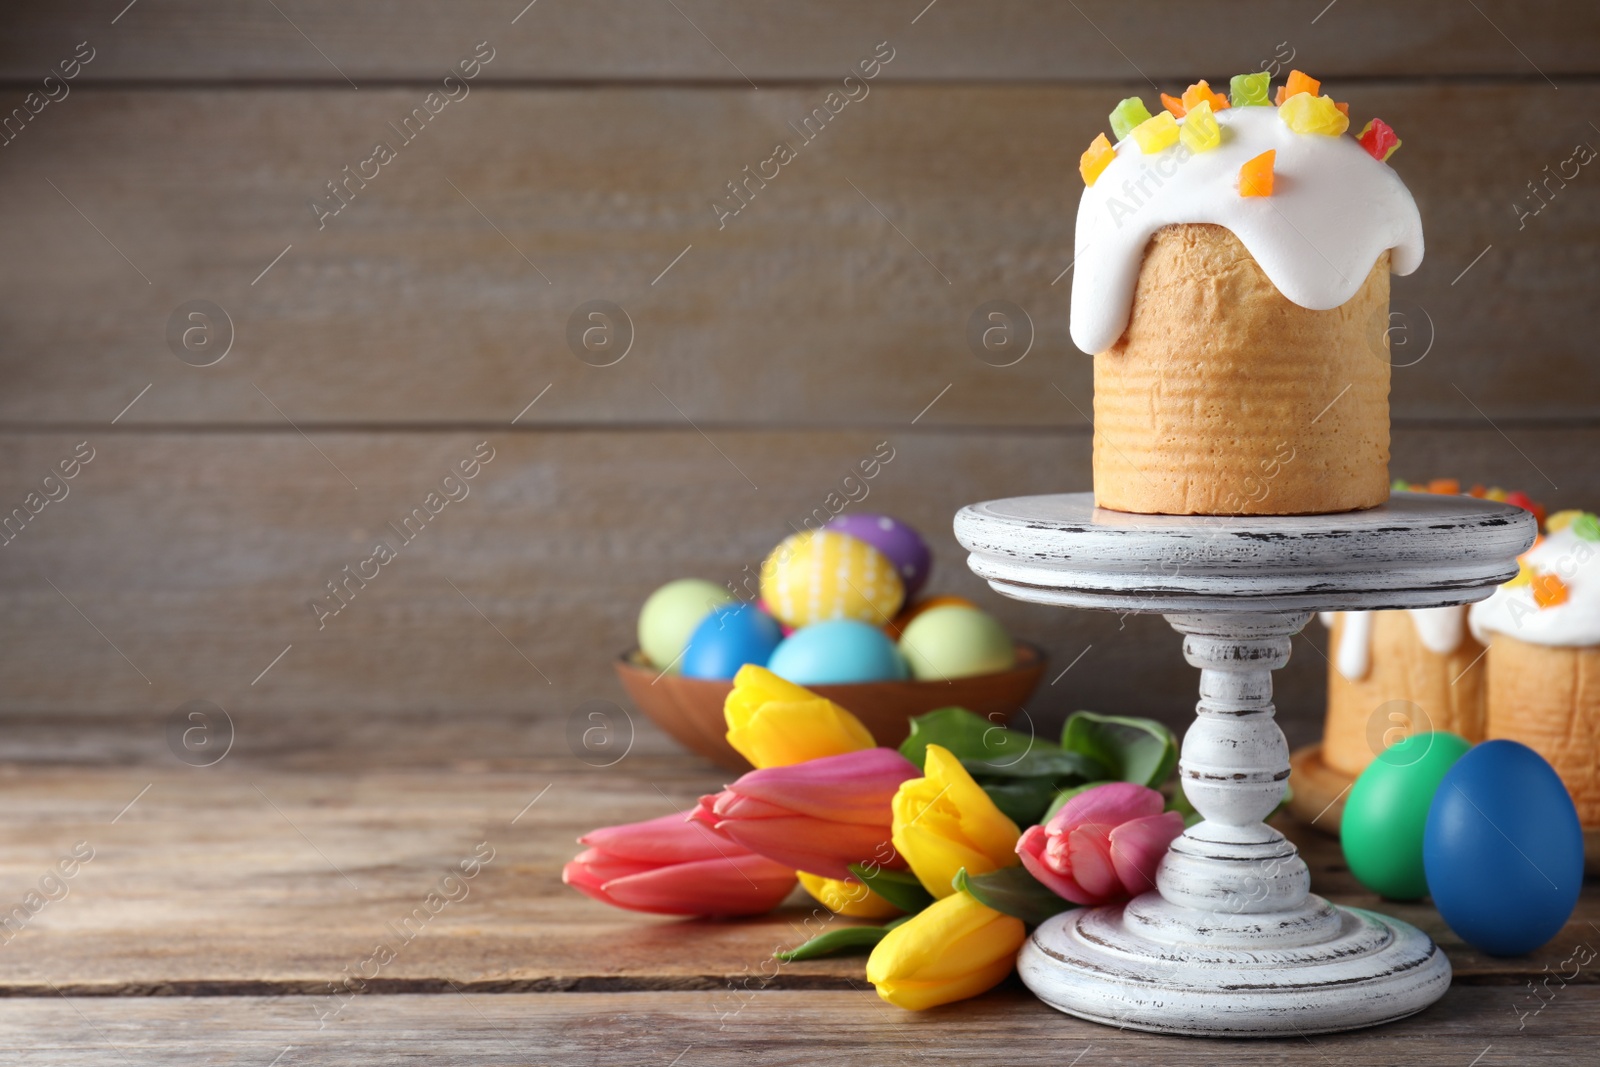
x=1387 y=810
x=670 y=615
x=955 y=642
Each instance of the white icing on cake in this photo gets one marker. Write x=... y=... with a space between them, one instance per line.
x=1439 y=629
x=1576 y=623
x=1333 y=211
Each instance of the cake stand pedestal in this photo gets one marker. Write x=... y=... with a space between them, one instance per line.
x=1232 y=942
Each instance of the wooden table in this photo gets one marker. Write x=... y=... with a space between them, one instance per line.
x=222 y=903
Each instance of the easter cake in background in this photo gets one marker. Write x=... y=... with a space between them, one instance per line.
x=1542 y=629
x=1232 y=283
x=1391 y=675
x=837 y=611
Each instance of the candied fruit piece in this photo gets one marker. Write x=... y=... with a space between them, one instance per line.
x=1173 y=104
x=1301 y=83
x=1304 y=113
x=1548 y=590
x=1524 y=575
x=1379 y=139
x=1587 y=526
x=1523 y=501
x=1344 y=109
x=1250 y=90
x=1255 y=177
x=1126 y=115
x=1446 y=486
x=1201 y=90
x=1156 y=133
x=1200 y=131
x=1096 y=158
x=1561 y=520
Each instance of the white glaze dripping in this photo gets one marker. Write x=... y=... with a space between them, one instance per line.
x=1333 y=212
x=1440 y=630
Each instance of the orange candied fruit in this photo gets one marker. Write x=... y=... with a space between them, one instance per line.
x=1174 y=105
x=1255 y=177
x=1548 y=590
x=1201 y=90
x=1446 y=486
x=1096 y=158
x=1298 y=83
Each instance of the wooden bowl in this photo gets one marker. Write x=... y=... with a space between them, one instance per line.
x=690 y=709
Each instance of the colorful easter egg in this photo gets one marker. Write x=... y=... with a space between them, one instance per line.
x=955 y=642
x=727 y=639
x=815 y=576
x=670 y=615
x=898 y=625
x=837 y=652
x=1503 y=849
x=1387 y=809
x=904 y=546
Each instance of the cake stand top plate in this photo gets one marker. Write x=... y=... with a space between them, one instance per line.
x=1419 y=550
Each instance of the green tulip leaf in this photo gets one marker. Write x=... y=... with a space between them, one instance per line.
x=1014 y=891
x=1043 y=759
x=845 y=941
x=1022 y=800
x=967 y=735
x=1133 y=750
x=899 y=888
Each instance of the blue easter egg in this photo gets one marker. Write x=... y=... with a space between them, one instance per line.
x=837 y=652
x=1503 y=849
x=727 y=639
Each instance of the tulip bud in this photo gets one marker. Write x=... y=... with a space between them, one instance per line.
x=944 y=821
x=954 y=949
x=774 y=723
x=668 y=866
x=819 y=816
x=1103 y=846
x=848 y=897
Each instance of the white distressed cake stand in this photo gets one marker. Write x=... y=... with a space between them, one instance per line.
x=1232 y=942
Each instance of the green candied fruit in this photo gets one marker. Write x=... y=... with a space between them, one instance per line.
x=1250 y=90
x=1399 y=485
x=1587 y=526
x=1126 y=115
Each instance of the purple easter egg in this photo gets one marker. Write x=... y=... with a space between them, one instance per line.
x=900 y=543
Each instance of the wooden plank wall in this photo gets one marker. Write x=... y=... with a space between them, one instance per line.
x=371 y=350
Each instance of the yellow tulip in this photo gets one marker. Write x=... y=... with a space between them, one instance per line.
x=944 y=821
x=953 y=949
x=774 y=723
x=847 y=898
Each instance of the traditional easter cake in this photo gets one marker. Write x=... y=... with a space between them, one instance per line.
x=1543 y=633
x=1232 y=282
x=1395 y=673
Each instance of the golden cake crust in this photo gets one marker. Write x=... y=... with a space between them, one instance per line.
x=1449 y=690
x=1222 y=397
x=1548 y=698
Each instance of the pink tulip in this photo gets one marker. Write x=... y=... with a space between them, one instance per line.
x=819 y=816
x=669 y=866
x=1103 y=846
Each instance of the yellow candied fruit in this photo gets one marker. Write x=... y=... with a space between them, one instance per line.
x=1155 y=134
x=1304 y=113
x=1548 y=590
x=1524 y=575
x=1200 y=131
x=1096 y=158
x=1561 y=520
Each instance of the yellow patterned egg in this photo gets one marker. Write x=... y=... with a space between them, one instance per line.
x=820 y=575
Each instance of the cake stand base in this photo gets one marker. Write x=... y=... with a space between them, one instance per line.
x=1104 y=965
x=1233 y=943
